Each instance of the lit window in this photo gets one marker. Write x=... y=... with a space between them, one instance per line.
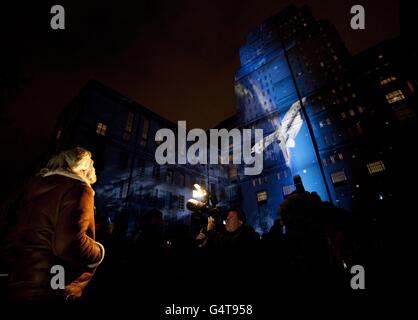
x=351 y=112
x=353 y=95
x=321 y=64
x=332 y=159
x=288 y=189
x=328 y=121
x=232 y=172
x=394 y=96
x=387 y=80
x=380 y=56
x=321 y=124
x=338 y=176
x=335 y=58
x=376 y=167
x=360 y=109
x=340 y=156
x=262 y=196
x=101 y=129
x=145 y=130
x=343 y=115
x=358 y=127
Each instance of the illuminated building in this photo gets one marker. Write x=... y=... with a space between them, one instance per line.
x=341 y=122
x=353 y=108
x=120 y=133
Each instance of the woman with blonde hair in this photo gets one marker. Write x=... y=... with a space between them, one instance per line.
x=55 y=226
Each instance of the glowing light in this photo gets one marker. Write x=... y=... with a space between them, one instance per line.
x=199 y=192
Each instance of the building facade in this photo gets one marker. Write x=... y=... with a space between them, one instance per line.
x=337 y=117
x=341 y=122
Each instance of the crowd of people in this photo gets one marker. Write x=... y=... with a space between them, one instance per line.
x=309 y=251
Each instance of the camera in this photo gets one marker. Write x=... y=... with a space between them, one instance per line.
x=204 y=205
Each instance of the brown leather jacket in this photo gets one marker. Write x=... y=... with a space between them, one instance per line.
x=55 y=226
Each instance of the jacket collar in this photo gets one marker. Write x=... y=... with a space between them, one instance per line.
x=67 y=174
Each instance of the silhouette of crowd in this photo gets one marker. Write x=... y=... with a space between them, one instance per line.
x=308 y=252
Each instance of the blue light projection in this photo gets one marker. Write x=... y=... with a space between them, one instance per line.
x=267 y=99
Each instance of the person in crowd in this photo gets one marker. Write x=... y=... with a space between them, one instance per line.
x=55 y=227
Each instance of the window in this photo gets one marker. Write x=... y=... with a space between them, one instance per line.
x=358 y=128
x=130 y=122
x=232 y=172
x=340 y=156
x=181 y=203
x=182 y=179
x=145 y=130
x=324 y=162
x=376 y=167
x=288 y=189
x=254 y=182
x=321 y=64
x=328 y=121
x=343 y=115
x=387 y=80
x=360 y=109
x=394 y=96
x=169 y=176
x=127 y=135
x=335 y=57
x=332 y=159
x=141 y=171
x=101 y=129
x=338 y=177
x=351 y=112
x=278 y=175
x=262 y=196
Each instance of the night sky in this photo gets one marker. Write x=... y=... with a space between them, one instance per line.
x=178 y=58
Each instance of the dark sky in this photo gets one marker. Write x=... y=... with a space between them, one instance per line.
x=178 y=58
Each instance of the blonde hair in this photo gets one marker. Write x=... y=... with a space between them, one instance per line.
x=76 y=161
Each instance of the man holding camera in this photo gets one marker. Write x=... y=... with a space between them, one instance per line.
x=237 y=237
